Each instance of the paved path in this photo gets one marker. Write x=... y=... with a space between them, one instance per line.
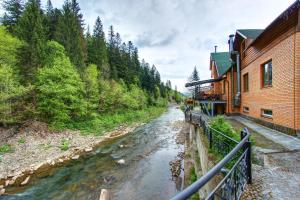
x=277 y=179
x=287 y=141
x=278 y=176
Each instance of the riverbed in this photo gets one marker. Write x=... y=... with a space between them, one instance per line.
x=144 y=175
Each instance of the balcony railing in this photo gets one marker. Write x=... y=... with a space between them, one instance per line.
x=209 y=97
x=237 y=154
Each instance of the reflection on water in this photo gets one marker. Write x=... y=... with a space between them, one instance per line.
x=145 y=174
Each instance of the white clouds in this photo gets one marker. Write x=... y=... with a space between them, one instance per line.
x=176 y=35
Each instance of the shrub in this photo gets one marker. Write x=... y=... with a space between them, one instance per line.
x=64 y=144
x=60 y=91
x=5 y=148
x=90 y=77
x=220 y=124
x=10 y=94
x=21 y=141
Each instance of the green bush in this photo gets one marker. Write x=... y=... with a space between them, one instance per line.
x=11 y=90
x=220 y=124
x=21 y=141
x=5 y=148
x=64 y=144
x=59 y=88
x=90 y=77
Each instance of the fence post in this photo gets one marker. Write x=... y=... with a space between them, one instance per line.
x=247 y=147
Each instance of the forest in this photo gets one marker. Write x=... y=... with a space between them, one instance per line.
x=54 y=69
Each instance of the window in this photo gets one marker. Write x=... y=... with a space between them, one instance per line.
x=246 y=82
x=224 y=87
x=267 y=113
x=245 y=109
x=267 y=74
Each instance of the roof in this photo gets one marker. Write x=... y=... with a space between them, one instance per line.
x=222 y=60
x=284 y=15
x=202 y=82
x=250 y=33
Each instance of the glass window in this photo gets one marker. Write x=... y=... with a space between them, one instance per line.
x=246 y=82
x=267 y=113
x=267 y=74
x=245 y=109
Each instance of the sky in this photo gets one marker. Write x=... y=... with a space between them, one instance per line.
x=177 y=35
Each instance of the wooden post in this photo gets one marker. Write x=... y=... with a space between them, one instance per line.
x=104 y=194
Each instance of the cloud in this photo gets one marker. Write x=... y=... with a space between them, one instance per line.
x=153 y=39
x=176 y=35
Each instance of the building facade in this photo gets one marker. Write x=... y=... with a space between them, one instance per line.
x=259 y=77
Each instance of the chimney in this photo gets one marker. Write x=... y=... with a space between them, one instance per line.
x=216 y=48
x=230 y=42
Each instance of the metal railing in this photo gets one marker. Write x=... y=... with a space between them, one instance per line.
x=201 y=96
x=237 y=156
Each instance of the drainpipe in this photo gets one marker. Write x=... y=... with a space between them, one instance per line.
x=237 y=97
x=238 y=73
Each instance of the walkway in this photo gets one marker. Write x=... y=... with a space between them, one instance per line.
x=277 y=175
x=287 y=141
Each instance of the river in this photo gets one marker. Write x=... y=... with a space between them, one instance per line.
x=145 y=175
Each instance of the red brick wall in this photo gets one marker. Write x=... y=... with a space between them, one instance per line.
x=280 y=98
x=297 y=80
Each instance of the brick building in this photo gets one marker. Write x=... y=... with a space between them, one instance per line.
x=259 y=77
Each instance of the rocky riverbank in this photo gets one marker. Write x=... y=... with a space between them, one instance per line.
x=34 y=149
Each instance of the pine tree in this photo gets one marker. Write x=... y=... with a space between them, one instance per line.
x=52 y=16
x=69 y=33
x=13 y=11
x=30 y=29
x=97 y=50
x=194 y=77
x=113 y=52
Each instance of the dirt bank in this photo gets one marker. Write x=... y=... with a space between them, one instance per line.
x=34 y=148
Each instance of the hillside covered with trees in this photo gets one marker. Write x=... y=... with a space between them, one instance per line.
x=55 y=71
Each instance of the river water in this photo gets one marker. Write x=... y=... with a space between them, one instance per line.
x=145 y=175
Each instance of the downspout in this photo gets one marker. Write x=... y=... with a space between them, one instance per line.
x=237 y=97
x=227 y=96
x=238 y=73
x=232 y=89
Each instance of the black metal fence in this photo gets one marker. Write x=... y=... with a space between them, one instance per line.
x=237 y=155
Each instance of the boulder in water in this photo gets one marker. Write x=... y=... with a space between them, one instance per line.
x=76 y=157
x=121 y=162
x=2 y=191
x=25 y=182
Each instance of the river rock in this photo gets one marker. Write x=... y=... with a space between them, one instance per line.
x=25 y=182
x=76 y=157
x=88 y=149
x=104 y=195
x=1 y=187
x=121 y=162
x=2 y=191
x=121 y=146
x=6 y=183
x=60 y=160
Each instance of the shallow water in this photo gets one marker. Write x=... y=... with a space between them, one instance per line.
x=145 y=175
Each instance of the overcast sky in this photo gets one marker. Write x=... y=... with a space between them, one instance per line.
x=177 y=35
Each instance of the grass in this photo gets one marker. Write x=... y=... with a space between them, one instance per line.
x=21 y=141
x=109 y=121
x=220 y=124
x=5 y=149
x=193 y=178
x=64 y=144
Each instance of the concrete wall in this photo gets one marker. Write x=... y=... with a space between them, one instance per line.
x=203 y=161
